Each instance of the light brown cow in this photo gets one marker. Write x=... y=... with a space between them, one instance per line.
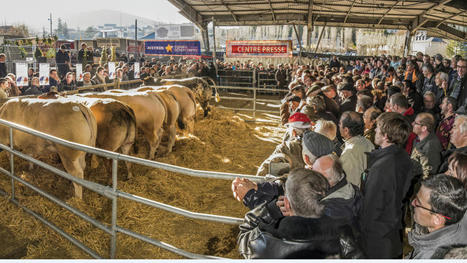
x=149 y=111
x=173 y=112
x=116 y=124
x=58 y=117
x=186 y=99
x=200 y=87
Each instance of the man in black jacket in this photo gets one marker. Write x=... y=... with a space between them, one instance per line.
x=306 y=233
x=3 y=71
x=384 y=185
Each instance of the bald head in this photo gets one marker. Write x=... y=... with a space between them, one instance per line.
x=330 y=167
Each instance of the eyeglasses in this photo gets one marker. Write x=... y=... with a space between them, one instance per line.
x=416 y=203
x=460 y=66
x=417 y=123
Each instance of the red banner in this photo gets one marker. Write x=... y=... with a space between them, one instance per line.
x=263 y=48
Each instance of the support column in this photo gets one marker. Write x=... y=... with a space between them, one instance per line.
x=408 y=43
x=205 y=34
x=213 y=40
x=320 y=36
x=299 y=43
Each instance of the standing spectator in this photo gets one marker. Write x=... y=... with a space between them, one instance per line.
x=369 y=118
x=427 y=148
x=413 y=75
x=281 y=77
x=385 y=186
x=459 y=85
x=334 y=63
x=347 y=96
x=3 y=88
x=62 y=58
x=429 y=105
x=439 y=205
x=353 y=157
x=34 y=89
x=99 y=77
x=3 y=70
x=458 y=139
x=429 y=80
x=84 y=55
x=448 y=107
x=442 y=82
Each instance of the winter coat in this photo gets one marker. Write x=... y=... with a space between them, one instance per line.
x=444 y=165
x=348 y=104
x=437 y=243
x=384 y=186
x=295 y=237
x=427 y=152
x=354 y=159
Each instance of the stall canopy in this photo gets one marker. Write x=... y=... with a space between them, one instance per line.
x=445 y=18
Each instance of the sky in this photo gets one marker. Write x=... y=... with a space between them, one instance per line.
x=35 y=13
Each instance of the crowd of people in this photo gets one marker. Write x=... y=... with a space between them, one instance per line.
x=373 y=148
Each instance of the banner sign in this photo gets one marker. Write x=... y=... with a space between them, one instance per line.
x=22 y=74
x=79 y=72
x=172 y=48
x=44 y=71
x=136 y=69
x=112 y=66
x=258 y=48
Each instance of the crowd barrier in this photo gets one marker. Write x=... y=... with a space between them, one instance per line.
x=110 y=192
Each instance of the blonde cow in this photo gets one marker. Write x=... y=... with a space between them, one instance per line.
x=58 y=117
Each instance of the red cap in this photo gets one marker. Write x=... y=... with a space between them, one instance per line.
x=299 y=120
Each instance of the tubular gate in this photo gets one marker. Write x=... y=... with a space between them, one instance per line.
x=110 y=192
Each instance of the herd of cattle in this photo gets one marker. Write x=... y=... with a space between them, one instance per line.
x=108 y=120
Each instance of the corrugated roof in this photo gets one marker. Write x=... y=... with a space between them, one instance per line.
x=442 y=18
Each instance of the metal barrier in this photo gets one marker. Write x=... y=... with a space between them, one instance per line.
x=110 y=192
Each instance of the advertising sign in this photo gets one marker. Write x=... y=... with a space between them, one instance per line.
x=136 y=69
x=22 y=74
x=79 y=72
x=44 y=69
x=172 y=48
x=258 y=48
x=112 y=66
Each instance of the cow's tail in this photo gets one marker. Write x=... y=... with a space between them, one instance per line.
x=91 y=120
x=192 y=97
x=131 y=120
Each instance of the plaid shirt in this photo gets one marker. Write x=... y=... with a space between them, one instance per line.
x=444 y=130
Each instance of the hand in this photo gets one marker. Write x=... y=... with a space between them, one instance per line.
x=284 y=209
x=241 y=186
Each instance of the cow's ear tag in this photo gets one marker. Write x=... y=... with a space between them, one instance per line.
x=218 y=98
x=75 y=108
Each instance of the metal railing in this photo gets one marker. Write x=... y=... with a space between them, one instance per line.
x=110 y=192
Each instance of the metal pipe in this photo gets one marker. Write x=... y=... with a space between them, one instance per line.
x=12 y=165
x=254 y=103
x=164 y=245
x=113 y=238
x=180 y=211
x=58 y=230
x=60 y=203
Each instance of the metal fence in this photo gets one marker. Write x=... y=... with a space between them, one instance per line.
x=110 y=192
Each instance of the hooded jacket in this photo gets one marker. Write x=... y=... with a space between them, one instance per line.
x=437 y=243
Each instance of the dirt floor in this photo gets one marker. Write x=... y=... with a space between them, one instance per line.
x=225 y=141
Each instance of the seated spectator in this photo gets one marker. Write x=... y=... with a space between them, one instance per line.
x=54 y=80
x=99 y=77
x=429 y=105
x=439 y=205
x=87 y=79
x=458 y=167
x=369 y=118
x=69 y=83
x=3 y=88
x=306 y=233
x=427 y=148
x=13 y=88
x=353 y=157
x=429 y=80
x=34 y=89
x=458 y=139
x=347 y=96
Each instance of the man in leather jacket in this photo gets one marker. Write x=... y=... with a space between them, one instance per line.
x=306 y=233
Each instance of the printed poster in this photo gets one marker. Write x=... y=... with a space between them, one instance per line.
x=22 y=74
x=79 y=72
x=136 y=67
x=172 y=48
x=258 y=48
x=112 y=66
x=44 y=69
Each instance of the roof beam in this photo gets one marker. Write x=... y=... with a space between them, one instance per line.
x=310 y=13
x=230 y=10
x=348 y=12
x=448 y=31
x=419 y=21
x=189 y=12
x=449 y=17
x=389 y=10
x=272 y=11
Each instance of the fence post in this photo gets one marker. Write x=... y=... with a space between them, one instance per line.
x=254 y=103
x=113 y=238
x=12 y=165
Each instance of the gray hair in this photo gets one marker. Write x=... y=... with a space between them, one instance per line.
x=326 y=128
x=304 y=189
x=443 y=76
